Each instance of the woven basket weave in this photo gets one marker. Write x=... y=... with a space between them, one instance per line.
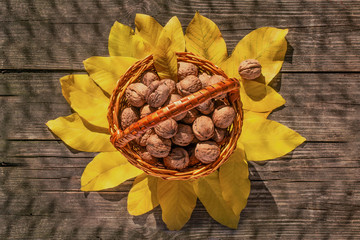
x=122 y=139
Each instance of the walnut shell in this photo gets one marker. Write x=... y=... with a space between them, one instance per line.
x=223 y=116
x=250 y=69
x=171 y=99
x=189 y=85
x=207 y=152
x=219 y=135
x=193 y=160
x=177 y=159
x=128 y=116
x=167 y=128
x=149 y=77
x=157 y=94
x=146 y=110
x=204 y=79
x=158 y=147
x=190 y=116
x=146 y=156
x=184 y=135
x=142 y=141
x=203 y=128
x=170 y=83
x=206 y=107
x=136 y=94
x=185 y=69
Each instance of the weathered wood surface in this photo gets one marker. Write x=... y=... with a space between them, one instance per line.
x=312 y=193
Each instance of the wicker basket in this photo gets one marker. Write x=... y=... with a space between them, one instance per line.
x=122 y=139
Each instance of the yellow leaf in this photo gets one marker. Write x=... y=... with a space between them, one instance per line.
x=165 y=59
x=72 y=130
x=204 y=38
x=107 y=170
x=177 y=200
x=264 y=139
x=258 y=97
x=234 y=180
x=148 y=28
x=250 y=114
x=143 y=195
x=209 y=191
x=124 y=42
x=106 y=71
x=86 y=98
x=268 y=45
x=174 y=31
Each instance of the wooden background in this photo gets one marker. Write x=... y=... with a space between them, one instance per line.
x=312 y=193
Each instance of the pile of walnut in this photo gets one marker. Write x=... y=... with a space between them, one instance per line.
x=189 y=138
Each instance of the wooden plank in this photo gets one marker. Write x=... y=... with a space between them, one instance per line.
x=49 y=35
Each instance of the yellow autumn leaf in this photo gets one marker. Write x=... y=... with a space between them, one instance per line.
x=234 y=180
x=124 y=42
x=148 y=28
x=250 y=114
x=209 y=191
x=73 y=131
x=106 y=71
x=267 y=45
x=143 y=195
x=264 y=139
x=258 y=97
x=174 y=31
x=177 y=200
x=86 y=98
x=107 y=170
x=204 y=38
x=165 y=59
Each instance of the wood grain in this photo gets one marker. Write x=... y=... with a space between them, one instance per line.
x=311 y=193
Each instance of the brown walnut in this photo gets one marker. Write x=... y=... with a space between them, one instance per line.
x=142 y=141
x=149 y=77
x=207 y=152
x=146 y=156
x=206 y=107
x=189 y=85
x=177 y=159
x=190 y=116
x=184 y=135
x=223 y=116
x=170 y=83
x=203 y=128
x=146 y=110
x=136 y=94
x=219 y=134
x=158 y=147
x=250 y=69
x=185 y=69
x=171 y=99
x=193 y=160
x=167 y=128
x=204 y=79
x=128 y=116
x=157 y=94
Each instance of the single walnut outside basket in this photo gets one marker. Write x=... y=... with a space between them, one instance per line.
x=122 y=139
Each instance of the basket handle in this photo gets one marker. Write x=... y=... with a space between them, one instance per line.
x=120 y=138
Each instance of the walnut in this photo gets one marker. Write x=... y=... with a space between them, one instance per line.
x=203 y=128
x=128 y=116
x=206 y=107
x=190 y=116
x=185 y=69
x=171 y=99
x=213 y=80
x=157 y=94
x=223 y=116
x=204 y=79
x=189 y=85
x=146 y=156
x=158 y=147
x=146 y=110
x=167 y=128
x=250 y=69
x=193 y=160
x=184 y=135
x=177 y=159
x=142 y=141
x=219 y=135
x=207 y=152
x=170 y=83
x=136 y=94
x=149 y=77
